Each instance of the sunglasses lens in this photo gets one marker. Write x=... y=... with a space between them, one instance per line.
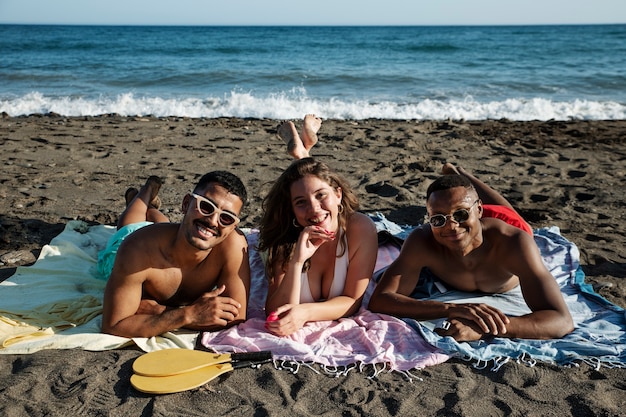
x=206 y=208
x=437 y=220
x=226 y=219
x=460 y=216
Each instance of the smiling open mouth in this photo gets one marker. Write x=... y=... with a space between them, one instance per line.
x=205 y=229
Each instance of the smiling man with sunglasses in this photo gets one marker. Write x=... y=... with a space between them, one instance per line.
x=194 y=274
x=472 y=246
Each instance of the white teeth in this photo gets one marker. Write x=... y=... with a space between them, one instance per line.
x=318 y=220
x=205 y=230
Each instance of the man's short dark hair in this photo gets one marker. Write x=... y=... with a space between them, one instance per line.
x=229 y=181
x=446 y=182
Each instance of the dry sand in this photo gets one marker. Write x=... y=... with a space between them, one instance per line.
x=566 y=174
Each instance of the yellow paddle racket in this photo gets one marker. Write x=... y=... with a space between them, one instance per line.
x=184 y=381
x=167 y=362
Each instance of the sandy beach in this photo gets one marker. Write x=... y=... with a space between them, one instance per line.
x=567 y=174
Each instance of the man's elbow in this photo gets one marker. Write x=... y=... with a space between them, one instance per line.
x=113 y=331
x=107 y=328
x=566 y=327
x=117 y=330
x=128 y=334
x=559 y=328
x=376 y=304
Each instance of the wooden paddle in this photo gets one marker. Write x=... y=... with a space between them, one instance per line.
x=185 y=381
x=167 y=362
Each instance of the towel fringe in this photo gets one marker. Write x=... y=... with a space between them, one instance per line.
x=339 y=371
x=478 y=364
x=493 y=365
x=410 y=377
x=609 y=362
x=377 y=371
x=499 y=363
x=526 y=359
x=291 y=366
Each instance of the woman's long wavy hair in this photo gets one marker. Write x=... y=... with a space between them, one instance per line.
x=277 y=233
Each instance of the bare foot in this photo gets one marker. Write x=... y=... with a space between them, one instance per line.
x=130 y=195
x=449 y=169
x=287 y=132
x=310 y=128
x=149 y=192
x=155 y=184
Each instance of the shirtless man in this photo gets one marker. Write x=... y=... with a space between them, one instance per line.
x=194 y=274
x=473 y=253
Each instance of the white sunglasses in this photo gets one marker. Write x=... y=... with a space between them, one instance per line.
x=206 y=207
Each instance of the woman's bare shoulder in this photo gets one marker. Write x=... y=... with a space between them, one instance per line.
x=361 y=225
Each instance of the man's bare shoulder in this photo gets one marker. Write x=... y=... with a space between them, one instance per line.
x=235 y=242
x=143 y=248
x=502 y=233
x=420 y=237
x=419 y=248
x=150 y=236
x=512 y=247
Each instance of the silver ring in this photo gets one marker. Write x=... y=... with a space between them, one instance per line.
x=445 y=325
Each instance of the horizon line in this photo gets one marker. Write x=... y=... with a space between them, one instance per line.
x=310 y=25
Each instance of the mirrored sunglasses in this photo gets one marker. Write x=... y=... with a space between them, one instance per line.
x=459 y=216
x=207 y=208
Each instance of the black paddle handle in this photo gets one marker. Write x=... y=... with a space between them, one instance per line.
x=262 y=356
x=246 y=364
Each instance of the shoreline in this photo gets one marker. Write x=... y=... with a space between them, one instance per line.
x=566 y=174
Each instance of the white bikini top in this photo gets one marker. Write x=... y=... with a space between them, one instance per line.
x=339 y=278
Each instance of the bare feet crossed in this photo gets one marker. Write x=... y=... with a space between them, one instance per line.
x=310 y=127
x=143 y=204
x=449 y=169
x=287 y=132
x=153 y=185
x=299 y=147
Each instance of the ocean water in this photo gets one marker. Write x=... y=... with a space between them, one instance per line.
x=472 y=73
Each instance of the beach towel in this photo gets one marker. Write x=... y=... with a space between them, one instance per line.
x=338 y=346
x=57 y=302
x=599 y=338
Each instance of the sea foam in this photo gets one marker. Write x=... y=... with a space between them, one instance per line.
x=291 y=105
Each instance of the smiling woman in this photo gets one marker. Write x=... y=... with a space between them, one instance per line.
x=320 y=251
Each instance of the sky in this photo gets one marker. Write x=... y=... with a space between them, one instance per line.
x=317 y=12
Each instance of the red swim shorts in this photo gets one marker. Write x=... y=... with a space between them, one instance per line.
x=507 y=215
